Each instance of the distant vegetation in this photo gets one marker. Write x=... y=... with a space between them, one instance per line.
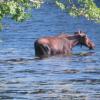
x=19 y=9
x=86 y=8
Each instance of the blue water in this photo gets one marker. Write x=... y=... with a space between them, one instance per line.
x=22 y=77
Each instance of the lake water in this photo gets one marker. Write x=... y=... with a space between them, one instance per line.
x=22 y=77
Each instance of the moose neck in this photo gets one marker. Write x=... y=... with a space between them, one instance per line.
x=74 y=41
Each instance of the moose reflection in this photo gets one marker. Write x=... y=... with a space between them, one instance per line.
x=61 y=44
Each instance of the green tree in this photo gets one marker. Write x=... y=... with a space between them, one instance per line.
x=18 y=9
x=86 y=8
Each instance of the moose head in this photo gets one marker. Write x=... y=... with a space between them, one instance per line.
x=84 y=40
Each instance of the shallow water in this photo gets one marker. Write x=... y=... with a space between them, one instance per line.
x=22 y=77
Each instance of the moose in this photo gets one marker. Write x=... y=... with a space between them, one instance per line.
x=61 y=44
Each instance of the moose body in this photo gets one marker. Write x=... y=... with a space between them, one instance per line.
x=61 y=44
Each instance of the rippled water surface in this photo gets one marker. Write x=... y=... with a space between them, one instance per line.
x=22 y=77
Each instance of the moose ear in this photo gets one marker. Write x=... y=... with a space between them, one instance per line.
x=83 y=35
x=78 y=33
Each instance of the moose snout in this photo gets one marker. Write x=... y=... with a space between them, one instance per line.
x=92 y=46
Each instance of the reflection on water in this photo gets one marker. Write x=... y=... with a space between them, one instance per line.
x=24 y=77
